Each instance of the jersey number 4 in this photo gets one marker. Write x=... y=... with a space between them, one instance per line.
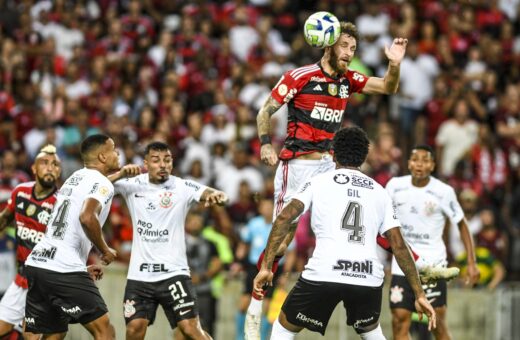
x=60 y=220
x=352 y=221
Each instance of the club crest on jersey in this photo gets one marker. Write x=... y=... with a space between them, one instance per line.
x=31 y=209
x=129 y=308
x=429 y=208
x=341 y=179
x=166 y=200
x=396 y=294
x=343 y=91
x=333 y=89
x=282 y=90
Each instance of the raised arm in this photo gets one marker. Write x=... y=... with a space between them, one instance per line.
x=405 y=260
x=263 y=122
x=129 y=170
x=89 y=219
x=390 y=83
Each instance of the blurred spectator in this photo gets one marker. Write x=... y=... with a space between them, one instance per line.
x=491 y=238
x=384 y=156
x=10 y=176
x=7 y=259
x=492 y=271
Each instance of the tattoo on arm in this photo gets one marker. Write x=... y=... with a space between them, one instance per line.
x=281 y=227
x=392 y=78
x=263 y=119
x=404 y=259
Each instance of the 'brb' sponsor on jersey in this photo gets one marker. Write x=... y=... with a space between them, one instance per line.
x=322 y=112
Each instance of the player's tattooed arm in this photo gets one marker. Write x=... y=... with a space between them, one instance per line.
x=281 y=227
x=405 y=260
x=6 y=216
x=263 y=119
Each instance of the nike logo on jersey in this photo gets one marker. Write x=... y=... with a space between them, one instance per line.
x=138 y=196
x=184 y=312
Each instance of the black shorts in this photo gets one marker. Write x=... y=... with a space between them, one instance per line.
x=54 y=300
x=176 y=296
x=311 y=303
x=251 y=272
x=401 y=294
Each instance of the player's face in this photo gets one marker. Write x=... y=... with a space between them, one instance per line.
x=342 y=53
x=111 y=155
x=47 y=170
x=159 y=164
x=421 y=164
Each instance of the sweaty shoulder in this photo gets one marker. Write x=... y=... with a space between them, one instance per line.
x=292 y=82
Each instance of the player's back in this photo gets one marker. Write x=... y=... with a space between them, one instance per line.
x=348 y=210
x=65 y=246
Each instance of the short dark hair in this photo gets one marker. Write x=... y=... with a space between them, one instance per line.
x=157 y=146
x=350 y=146
x=350 y=29
x=424 y=147
x=91 y=143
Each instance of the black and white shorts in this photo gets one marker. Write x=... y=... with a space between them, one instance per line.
x=311 y=303
x=56 y=299
x=176 y=296
x=401 y=294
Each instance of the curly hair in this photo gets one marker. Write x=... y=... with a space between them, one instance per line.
x=350 y=29
x=350 y=146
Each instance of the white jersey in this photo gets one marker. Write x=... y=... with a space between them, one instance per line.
x=65 y=246
x=158 y=214
x=423 y=212
x=348 y=210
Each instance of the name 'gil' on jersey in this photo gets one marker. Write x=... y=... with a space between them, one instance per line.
x=31 y=216
x=316 y=103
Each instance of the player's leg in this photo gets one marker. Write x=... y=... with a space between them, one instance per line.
x=363 y=308
x=441 y=331
x=192 y=329
x=401 y=322
x=139 y=308
x=12 y=309
x=283 y=329
x=57 y=336
x=101 y=328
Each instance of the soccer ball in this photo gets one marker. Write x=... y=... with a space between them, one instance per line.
x=321 y=29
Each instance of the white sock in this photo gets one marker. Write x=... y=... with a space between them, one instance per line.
x=255 y=307
x=279 y=332
x=375 y=334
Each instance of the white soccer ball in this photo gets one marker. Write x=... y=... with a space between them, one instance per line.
x=321 y=29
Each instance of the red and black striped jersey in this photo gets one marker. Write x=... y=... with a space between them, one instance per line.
x=31 y=216
x=316 y=103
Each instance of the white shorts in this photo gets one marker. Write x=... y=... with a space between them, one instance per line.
x=12 y=306
x=292 y=174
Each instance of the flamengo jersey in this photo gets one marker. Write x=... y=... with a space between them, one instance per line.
x=31 y=216
x=65 y=246
x=158 y=213
x=348 y=210
x=422 y=212
x=315 y=112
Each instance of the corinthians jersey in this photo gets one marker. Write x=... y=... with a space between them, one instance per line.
x=65 y=246
x=316 y=109
x=158 y=213
x=422 y=212
x=348 y=210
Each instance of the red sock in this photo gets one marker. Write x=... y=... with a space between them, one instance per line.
x=273 y=269
x=383 y=243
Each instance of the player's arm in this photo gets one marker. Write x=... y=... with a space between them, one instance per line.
x=405 y=260
x=473 y=273
x=89 y=219
x=390 y=82
x=129 y=170
x=6 y=216
x=212 y=196
x=263 y=122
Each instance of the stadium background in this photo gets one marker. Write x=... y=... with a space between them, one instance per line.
x=194 y=73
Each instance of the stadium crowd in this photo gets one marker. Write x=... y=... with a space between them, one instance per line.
x=193 y=74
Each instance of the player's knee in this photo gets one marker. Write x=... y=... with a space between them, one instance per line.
x=400 y=320
x=5 y=328
x=136 y=329
x=192 y=330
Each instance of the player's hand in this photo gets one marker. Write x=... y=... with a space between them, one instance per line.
x=108 y=256
x=216 y=198
x=422 y=305
x=472 y=275
x=130 y=170
x=395 y=53
x=268 y=155
x=95 y=272
x=264 y=277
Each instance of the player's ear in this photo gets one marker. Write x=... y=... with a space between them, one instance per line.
x=102 y=157
x=145 y=163
x=33 y=169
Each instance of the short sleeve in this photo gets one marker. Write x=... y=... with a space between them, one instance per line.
x=101 y=190
x=451 y=206
x=194 y=190
x=304 y=195
x=121 y=187
x=390 y=219
x=357 y=81
x=390 y=188
x=288 y=83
